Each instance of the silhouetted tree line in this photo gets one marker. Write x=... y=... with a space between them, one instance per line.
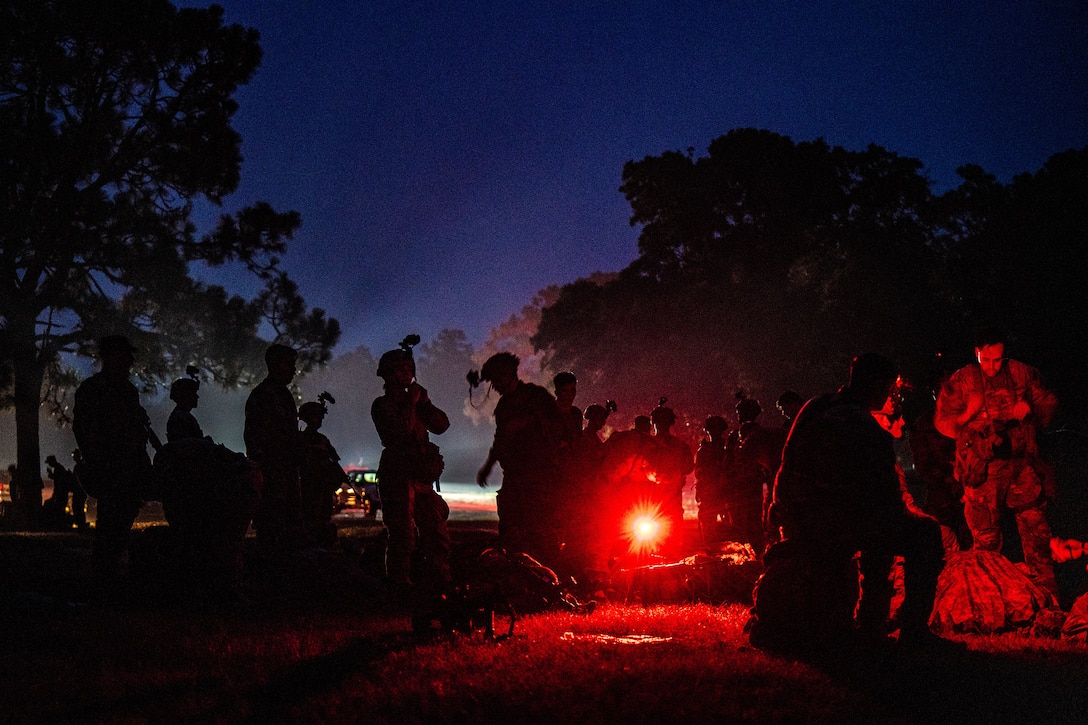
x=769 y=263
x=115 y=119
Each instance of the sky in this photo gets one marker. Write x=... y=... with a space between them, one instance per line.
x=450 y=159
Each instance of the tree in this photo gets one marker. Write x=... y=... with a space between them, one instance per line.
x=1013 y=256
x=764 y=265
x=115 y=119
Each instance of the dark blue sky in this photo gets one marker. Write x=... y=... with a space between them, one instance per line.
x=449 y=159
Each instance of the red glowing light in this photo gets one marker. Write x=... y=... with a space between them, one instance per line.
x=645 y=528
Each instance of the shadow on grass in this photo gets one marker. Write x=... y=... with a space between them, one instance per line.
x=307 y=680
x=966 y=686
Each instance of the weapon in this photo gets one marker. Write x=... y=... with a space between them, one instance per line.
x=152 y=436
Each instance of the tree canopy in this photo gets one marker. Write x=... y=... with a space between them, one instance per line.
x=768 y=263
x=115 y=119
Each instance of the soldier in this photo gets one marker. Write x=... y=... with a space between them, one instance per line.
x=585 y=551
x=65 y=484
x=272 y=442
x=752 y=456
x=671 y=460
x=528 y=431
x=567 y=492
x=994 y=408
x=789 y=404
x=838 y=492
x=932 y=455
x=182 y=423
x=710 y=480
x=414 y=513
x=566 y=390
x=320 y=475
x=111 y=428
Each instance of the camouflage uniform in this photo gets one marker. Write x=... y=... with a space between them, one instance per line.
x=997 y=458
x=838 y=492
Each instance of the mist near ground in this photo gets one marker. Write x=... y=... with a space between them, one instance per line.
x=351 y=379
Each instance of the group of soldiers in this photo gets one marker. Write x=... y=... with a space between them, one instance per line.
x=567 y=493
x=209 y=493
x=840 y=492
x=284 y=484
x=827 y=482
x=827 y=479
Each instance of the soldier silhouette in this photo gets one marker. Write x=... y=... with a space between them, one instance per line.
x=272 y=442
x=111 y=428
x=320 y=474
x=65 y=485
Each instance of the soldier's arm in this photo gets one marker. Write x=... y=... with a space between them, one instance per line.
x=955 y=409
x=433 y=417
x=1044 y=404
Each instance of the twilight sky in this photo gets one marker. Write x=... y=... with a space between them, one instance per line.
x=449 y=159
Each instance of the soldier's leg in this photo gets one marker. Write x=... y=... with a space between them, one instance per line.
x=923 y=559
x=1025 y=499
x=431 y=514
x=112 y=528
x=980 y=509
x=874 y=605
x=397 y=504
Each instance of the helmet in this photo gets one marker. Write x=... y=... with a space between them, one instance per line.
x=183 y=386
x=309 y=409
x=389 y=361
x=596 y=412
x=277 y=353
x=748 y=409
x=498 y=362
x=663 y=415
x=716 y=422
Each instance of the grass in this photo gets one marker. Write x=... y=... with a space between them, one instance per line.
x=342 y=654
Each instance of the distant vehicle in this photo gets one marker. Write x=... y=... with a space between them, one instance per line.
x=359 y=494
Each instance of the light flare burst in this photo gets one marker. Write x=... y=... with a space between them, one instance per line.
x=645 y=528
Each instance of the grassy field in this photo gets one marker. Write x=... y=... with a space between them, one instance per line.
x=327 y=646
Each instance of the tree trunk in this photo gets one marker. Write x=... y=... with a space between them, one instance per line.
x=26 y=485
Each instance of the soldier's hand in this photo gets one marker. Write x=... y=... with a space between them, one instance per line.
x=1021 y=410
x=481 y=476
x=975 y=403
x=417 y=393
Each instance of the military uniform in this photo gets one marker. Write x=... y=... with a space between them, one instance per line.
x=272 y=441
x=746 y=478
x=838 y=492
x=182 y=424
x=997 y=458
x=319 y=476
x=671 y=461
x=932 y=454
x=413 y=512
x=528 y=430
x=710 y=487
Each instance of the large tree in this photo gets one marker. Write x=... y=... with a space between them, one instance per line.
x=1014 y=252
x=115 y=119
x=764 y=265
